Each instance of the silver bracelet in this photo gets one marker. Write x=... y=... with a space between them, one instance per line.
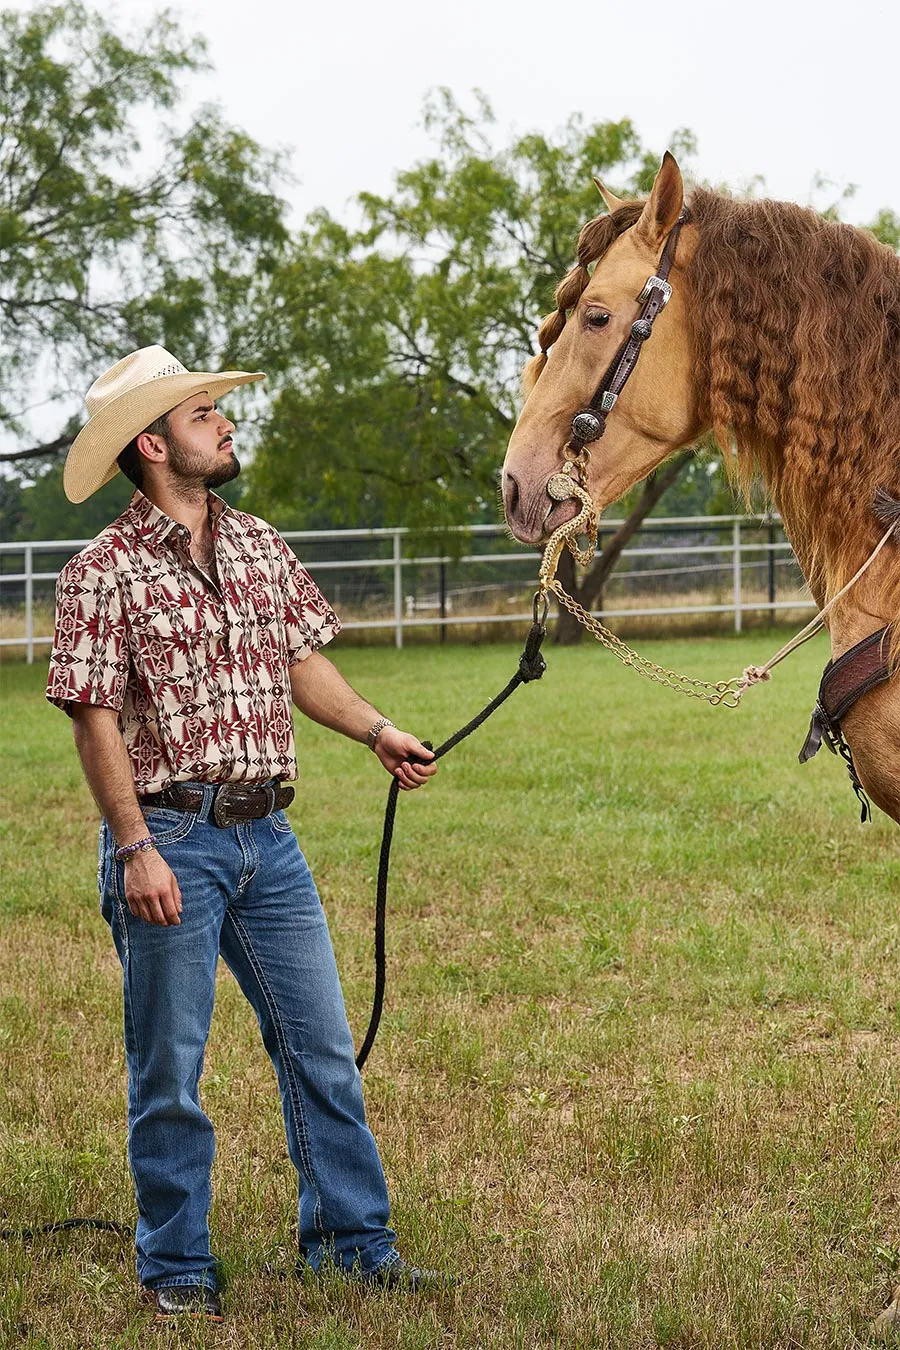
x=375 y=731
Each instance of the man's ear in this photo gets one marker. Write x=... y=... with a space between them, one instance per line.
x=151 y=447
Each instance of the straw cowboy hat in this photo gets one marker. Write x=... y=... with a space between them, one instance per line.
x=124 y=401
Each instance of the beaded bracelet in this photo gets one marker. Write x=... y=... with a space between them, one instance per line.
x=142 y=846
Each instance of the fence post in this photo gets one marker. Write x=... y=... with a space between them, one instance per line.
x=442 y=590
x=737 y=576
x=771 y=570
x=398 y=590
x=29 y=605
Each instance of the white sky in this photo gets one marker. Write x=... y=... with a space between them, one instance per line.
x=786 y=89
x=783 y=88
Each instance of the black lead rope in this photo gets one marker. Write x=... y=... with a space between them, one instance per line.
x=531 y=667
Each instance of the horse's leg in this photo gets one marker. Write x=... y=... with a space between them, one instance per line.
x=872 y=730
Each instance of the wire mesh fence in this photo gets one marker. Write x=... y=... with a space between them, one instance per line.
x=678 y=574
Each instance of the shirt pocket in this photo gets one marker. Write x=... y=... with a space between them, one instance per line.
x=264 y=620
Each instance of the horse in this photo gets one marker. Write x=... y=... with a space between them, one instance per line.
x=778 y=331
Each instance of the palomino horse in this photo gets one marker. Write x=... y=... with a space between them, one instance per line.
x=782 y=336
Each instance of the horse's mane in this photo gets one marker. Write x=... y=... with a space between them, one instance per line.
x=796 y=339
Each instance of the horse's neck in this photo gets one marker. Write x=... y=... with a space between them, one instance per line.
x=861 y=611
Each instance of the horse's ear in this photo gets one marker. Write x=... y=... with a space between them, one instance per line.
x=612 y=201
x=663 y=206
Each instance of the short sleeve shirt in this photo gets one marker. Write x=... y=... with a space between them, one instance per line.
x=196 y=668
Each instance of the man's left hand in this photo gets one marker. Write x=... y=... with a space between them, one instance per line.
x=394 y=748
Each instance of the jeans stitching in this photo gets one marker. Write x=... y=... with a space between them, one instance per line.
x=246 y=877
x=300 y=1128
x=180 y=832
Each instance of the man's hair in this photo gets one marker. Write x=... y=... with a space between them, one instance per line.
x=131 y=461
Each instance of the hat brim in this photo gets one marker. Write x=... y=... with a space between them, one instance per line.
x=91 y=461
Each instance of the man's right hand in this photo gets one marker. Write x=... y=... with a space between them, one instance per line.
x=151 y=889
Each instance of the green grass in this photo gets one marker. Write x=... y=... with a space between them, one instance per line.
x=637 y=1080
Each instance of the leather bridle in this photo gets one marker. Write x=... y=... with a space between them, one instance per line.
x=589 y=423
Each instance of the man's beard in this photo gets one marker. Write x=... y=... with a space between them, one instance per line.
x=188 y=467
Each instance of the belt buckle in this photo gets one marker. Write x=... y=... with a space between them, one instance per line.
x=220 y=808
x=220 y=812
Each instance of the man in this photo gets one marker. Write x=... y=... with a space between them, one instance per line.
x=183 y=633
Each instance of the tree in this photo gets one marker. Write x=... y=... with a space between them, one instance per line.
x=401 y=342
x=116 y=229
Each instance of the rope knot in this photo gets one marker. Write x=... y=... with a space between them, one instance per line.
x=531 y=663
x=754 y=675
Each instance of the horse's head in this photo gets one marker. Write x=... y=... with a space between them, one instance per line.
x=657 y=410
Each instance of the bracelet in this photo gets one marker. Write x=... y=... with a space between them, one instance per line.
x=128 y=850
x=375 y=731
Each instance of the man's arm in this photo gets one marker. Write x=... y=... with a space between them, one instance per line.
x=151 y=889
x=321 y=692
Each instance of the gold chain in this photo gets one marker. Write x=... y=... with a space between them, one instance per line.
x=565 y=485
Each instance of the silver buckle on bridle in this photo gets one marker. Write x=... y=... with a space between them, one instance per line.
x=656 y=284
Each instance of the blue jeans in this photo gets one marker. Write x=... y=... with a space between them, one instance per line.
x=248 y=894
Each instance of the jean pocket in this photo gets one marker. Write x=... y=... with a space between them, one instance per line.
x=168 y=826
x=280 y=823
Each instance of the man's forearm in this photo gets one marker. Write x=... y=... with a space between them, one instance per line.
x=320 y=691
x=107 y=769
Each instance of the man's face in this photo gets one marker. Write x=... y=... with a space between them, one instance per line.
x=199 y=443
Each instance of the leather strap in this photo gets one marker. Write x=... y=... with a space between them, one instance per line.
x=232 y=801
x=844 y=682
x=590 y=424
x=856 y=672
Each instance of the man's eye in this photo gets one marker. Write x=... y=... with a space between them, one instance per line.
x=596 y=318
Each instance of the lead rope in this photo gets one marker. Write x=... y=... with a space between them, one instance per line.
x=531 y=667
x=720 y=693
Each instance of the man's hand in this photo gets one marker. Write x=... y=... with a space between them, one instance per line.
x=394 y=749
x=151 y=889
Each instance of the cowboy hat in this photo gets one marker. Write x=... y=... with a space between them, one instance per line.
x=124 y=401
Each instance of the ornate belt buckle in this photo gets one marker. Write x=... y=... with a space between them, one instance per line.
x=220 y=812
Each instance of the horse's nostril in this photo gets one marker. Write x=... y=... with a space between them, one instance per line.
x=511 y=494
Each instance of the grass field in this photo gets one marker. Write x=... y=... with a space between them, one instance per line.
x=638 y=1081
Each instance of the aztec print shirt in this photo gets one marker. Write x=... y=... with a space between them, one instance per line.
x=197 y=671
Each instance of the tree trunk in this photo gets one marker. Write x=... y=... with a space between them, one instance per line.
x=568 y=629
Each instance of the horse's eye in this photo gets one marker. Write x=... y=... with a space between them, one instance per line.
x=596 y=318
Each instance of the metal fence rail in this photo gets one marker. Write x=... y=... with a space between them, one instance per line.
x=703 y=564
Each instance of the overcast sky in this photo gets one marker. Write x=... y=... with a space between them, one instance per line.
x=786 y=89
x=783 y=88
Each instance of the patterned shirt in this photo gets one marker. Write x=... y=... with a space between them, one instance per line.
x=197 y=670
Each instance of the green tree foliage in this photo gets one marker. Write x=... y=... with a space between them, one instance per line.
x=117 y=229
x=400 y=343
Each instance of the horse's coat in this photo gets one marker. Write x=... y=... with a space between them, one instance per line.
x=782 y=336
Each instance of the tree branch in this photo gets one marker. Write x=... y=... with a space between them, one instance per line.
x=49 y=448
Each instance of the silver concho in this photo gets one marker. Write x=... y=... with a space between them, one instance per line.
x=586 y=426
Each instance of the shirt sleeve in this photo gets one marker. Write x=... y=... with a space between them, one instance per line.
x=309 y=620
x=89 y=661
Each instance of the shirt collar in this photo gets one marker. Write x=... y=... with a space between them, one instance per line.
x=155 y=526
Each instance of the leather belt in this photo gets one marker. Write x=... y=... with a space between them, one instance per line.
x=232 y=802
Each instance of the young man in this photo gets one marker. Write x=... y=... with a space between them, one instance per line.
x=183 y=633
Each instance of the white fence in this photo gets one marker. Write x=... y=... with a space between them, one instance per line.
x=726 y=565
